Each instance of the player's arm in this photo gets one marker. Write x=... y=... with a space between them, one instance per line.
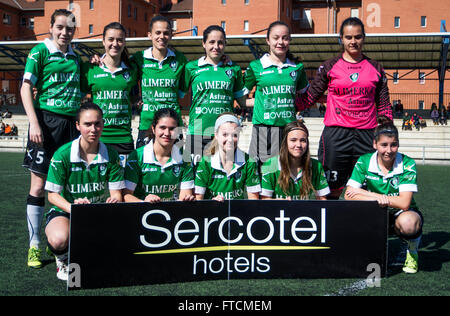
x=358 y=194
x=59 y=201
x=115 y=196
x=26 y=93
x=186 y=195
x=128 y=196
x=253 y=195
x=402 y=201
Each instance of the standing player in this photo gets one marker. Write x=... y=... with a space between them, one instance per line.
x=277 y=77
x=110 y=84
x=160 y=70
x=293 y=175
x=391 y=180
x=156 y=172
x=225 y=172
x=83 y=171
x=215 y=85
x=53 y=70
x=357 y=94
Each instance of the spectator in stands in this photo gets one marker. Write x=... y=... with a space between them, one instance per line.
x=435 y=116
x=7 y=131
x=399 y=108
x=416 y=120
x=443 y=117
x=2 y=129
x=7 y=114
x=14 y=130
x=406 y=121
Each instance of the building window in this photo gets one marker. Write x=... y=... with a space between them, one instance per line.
x=224 y=2
x=354 y=13
x=246 y=26
x=91 y=29
x=421 y=77
x=396 y=78
x=397 y=22
x=224 y=25
x=423 y=21
x=174 y=25
x=91 y=4
x=70 y=5
x=145 y=17
x=246 y=2
x=129 y=10
x=135 y=14
x=421 y=104
x=6 y=18
x=31 y=23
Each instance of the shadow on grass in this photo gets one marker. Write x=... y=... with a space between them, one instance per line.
x=432 y=253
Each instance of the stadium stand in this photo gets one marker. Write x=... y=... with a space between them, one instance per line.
x=430 y=144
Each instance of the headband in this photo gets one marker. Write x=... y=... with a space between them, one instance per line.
x=386 y=131
x=227 y=118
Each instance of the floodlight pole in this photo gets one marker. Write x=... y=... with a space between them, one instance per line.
x=443 y=63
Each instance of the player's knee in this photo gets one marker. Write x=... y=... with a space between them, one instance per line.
x=408 y=224
x=58 y=242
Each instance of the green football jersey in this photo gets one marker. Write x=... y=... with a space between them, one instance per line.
x=214 y=89
x=56 y=77
x=276 y=88
x=145 y=175
x=73 y=178
x=402 y=177
x=271 y=188
x=160 y=83
x=112 y=92
x=212 y=180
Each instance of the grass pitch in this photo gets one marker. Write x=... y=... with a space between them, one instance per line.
x=432 y=279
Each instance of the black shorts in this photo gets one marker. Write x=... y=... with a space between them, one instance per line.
x=52 y=213
x=339 y=149
x=57 y=131
x=265 y=142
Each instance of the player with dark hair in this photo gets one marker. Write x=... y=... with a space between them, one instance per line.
x=391 y=180
x=83 y=171
x=161 y=69
x=294 y=175
x=111 y=84
x=215 y=82
x=357 y=94
x=156 y=172
x=52 y=70
x=278 y=76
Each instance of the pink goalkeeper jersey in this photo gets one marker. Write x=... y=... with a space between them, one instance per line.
x=357 y=93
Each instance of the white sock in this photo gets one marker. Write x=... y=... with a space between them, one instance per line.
x=34 y=219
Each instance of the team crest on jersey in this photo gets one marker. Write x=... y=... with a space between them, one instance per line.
x=293 y=75
x=229 y=73
x=238 y=176
x=173 y=66
x=102 y=170
x=394 y=183
x=176 y=171
x=354 y=77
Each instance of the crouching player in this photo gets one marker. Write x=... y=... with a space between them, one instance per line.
x=391 y=181
x=83 y=171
